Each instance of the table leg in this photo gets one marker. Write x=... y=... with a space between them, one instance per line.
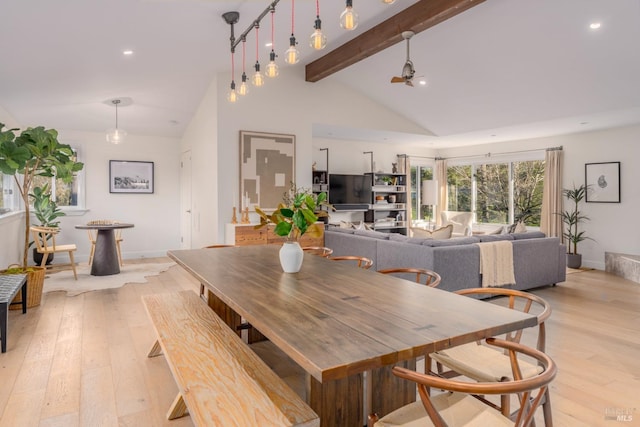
x=390 y=392
x=233 y=319
x=338 y=402
x=105 y=258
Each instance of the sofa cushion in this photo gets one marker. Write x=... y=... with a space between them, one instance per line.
x=397 y=237
x=495 y=237
x=341 y=229
x=458 y=241
x=529 y=235
x=373 y=234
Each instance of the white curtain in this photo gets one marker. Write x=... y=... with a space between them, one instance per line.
x=550 y=221
x=443 y=199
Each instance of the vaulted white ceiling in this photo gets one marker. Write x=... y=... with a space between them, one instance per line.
x=505 y=69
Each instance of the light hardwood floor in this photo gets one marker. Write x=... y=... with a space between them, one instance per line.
x=81 y=361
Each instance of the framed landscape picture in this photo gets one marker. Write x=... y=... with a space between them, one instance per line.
x=267 y=168
x=127 y=176
x=603 y=182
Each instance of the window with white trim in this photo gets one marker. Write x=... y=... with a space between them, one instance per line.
x=498 y=192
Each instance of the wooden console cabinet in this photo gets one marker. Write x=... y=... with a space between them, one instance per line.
x=247 y=235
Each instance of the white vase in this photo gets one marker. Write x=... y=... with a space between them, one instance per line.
x=291 y=256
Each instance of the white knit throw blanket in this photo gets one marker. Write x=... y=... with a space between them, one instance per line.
x=496 y=263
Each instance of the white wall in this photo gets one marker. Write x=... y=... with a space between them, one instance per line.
x=155 y=215
x=201 y=138
x=611 y=225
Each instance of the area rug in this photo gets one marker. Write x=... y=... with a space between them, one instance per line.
x=578 y=270
x=129 y=273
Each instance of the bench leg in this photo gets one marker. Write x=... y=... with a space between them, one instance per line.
x=24 y=298
x=178 y=408
x=156 y=350
x=4 y=318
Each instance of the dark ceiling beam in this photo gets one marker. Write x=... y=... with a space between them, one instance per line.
x=417 y=17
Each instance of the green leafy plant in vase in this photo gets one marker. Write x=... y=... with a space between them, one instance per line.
x=296 y=215
x=47 y=213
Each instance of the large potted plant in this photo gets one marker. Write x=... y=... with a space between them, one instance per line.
x=34 y=152
x=294 y=217
x=572 y=218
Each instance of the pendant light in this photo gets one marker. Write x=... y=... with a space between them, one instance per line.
x=318 y=40
x=232 y=95
x=115 y=135
x=349 y=18
x=292 y=55
x=272 y=68
x=258 y=78
x=244 y=86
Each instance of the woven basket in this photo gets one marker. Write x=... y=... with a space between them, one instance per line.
x=35 y=282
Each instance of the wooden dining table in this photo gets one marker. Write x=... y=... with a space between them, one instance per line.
x=337 y=321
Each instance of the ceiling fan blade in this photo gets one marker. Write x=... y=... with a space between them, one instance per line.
x=408 y=83
x=397 y=80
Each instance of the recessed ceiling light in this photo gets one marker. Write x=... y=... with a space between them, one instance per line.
x=594 y=25
x=268 y=44
x=127 y=52
x=422 y=82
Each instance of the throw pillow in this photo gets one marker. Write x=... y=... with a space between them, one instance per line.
x=499 y=230
x=521 y=228
x=440 y=233
x=517 y=227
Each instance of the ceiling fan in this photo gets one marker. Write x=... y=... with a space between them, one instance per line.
x=407 y=70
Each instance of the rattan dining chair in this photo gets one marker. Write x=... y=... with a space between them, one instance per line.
x=318 y=250
x=361 y=261
x=422 y=275
x=461 y=403
x=483 y=363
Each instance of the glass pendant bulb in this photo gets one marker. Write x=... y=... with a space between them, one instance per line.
x=292 y=55
x=232 y=95
x=257 y=79
x=349 y=17
x=318 y=40
x=116 y=136
x=272 y=68
x=244 y=87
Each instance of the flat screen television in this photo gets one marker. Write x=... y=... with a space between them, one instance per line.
x=349 y=189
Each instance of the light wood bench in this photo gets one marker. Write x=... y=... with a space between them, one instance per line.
x=221 y=381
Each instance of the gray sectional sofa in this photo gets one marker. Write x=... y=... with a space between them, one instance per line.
x=538 y=260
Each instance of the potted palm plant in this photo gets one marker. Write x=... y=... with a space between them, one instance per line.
x=34 y=152
x=572 y=218
x=294 y=217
